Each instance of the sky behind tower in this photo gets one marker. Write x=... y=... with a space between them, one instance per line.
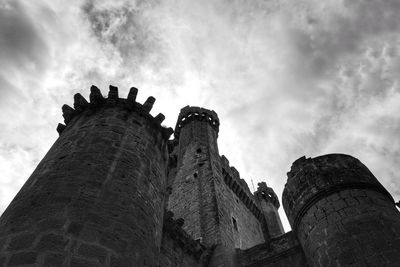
x=287 y=78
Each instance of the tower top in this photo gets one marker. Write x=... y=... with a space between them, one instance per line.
x=189 y=114
x=97 y=101
x=312 y=179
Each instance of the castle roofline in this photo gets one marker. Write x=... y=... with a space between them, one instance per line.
x=189 y=113
x=97 y=101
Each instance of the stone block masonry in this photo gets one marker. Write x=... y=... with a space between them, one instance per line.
x=113 y=190
x=341 y=214
x=97 y=197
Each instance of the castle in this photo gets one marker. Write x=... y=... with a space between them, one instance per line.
x=114 y=190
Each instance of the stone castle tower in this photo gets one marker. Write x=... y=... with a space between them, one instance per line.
x=114 y=191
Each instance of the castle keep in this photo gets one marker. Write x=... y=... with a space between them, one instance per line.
x=116 y=190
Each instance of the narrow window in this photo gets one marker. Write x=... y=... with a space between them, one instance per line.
x=234 y=224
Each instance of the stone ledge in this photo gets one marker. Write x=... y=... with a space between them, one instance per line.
x=240 y=188
x=312 y=179
x=276 y=249
x=98 y=101
x=188 y=114
x=173 y=229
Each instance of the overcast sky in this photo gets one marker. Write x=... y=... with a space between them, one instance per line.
x=287 y=78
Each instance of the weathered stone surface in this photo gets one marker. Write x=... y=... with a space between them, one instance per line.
x=21 y=241
x=101 y=195
x=218 y=213
x=93 y=252
x=54 y=259
x=179 y=248
x=22 y=258
x=341 y=214
x=103 y=181
x=283 y=251
x=269 y=203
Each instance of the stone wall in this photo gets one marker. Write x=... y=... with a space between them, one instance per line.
x=244 y=218
x=282 y=251
x=97 y=197
x=217 y=210
x=341 y=214
x=172 y=255
x=178 y=249
x=185 y=200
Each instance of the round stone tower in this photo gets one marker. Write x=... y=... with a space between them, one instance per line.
x=341 y=214
x=198 y=125
x=97 y=197
x=196 y=189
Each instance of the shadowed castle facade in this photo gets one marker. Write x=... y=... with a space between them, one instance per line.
x=113 y=190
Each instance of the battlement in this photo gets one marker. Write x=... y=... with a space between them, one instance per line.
x=99 y=197
x=189 y=114
x=239 y=187
x=285 y=247
x=173 y=228
x=97 y=101
x=311 y=179
x=343 y=166
x=334 y=160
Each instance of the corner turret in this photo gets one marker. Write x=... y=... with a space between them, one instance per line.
x=82 y=204
x=189 y=114
x=340 y=213
x=269 y=203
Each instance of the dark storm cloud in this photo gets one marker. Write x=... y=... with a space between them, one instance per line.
x=127 y=28
x=323 y=39
x=21 y=46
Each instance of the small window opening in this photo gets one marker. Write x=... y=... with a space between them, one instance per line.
x=198 y=150
x=195 y=175
x=234 y=224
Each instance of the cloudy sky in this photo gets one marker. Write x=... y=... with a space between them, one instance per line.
x=287 y=78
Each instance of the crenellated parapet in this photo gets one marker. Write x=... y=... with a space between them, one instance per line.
x=98 y=196
x=173 y=228
x=284 y=250
x=340 y=213
x=239 y=187
x=267 y=194
x=311 y=179
x=96 y=101
x=189 y=114
x=269 y=204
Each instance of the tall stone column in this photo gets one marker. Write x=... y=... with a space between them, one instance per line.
x=195 y=196
x=269 y=203
x=97 y=197
x=341 y=214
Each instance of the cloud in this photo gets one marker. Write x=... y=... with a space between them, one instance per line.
x=22 y=50
x=20 y=41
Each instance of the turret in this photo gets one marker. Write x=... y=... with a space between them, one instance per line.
x=97 y=197
x=196 y=125
x=193 y=189
x=341 y=214
x=215 y=203
x=269 y=203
